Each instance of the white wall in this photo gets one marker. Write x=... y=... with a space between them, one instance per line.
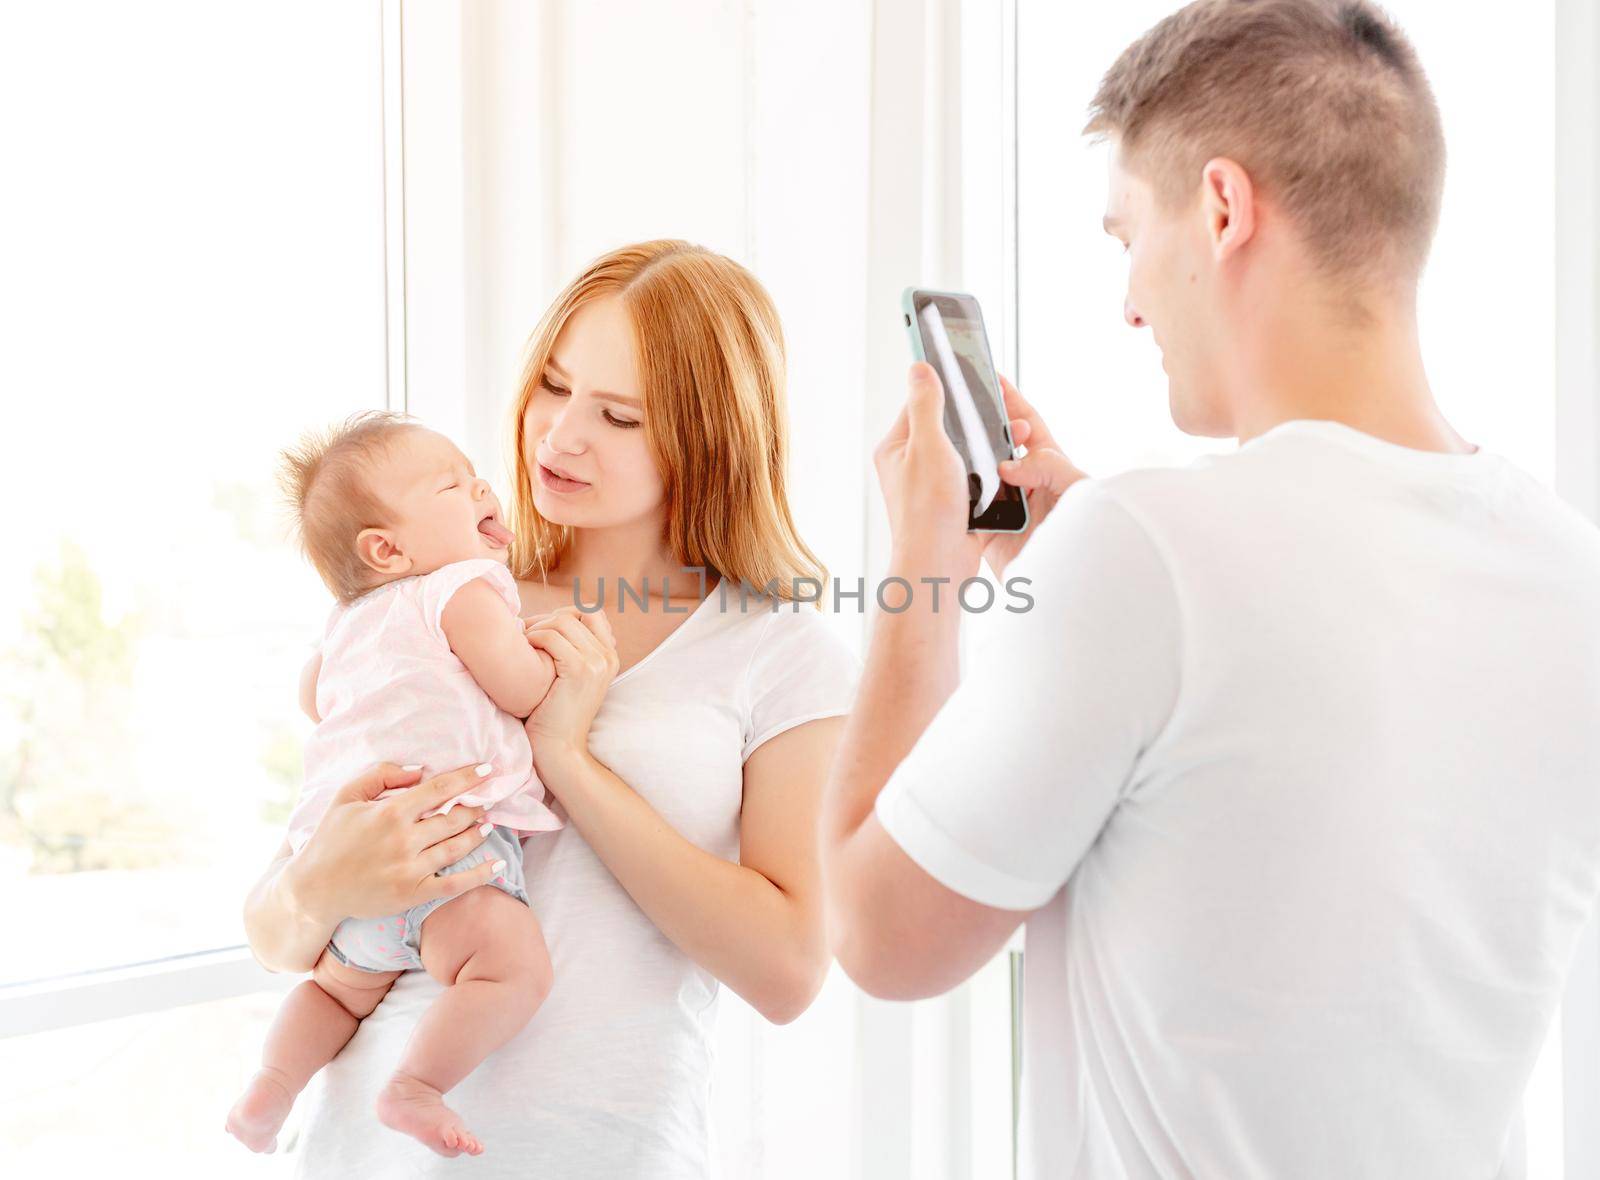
x=820 y=146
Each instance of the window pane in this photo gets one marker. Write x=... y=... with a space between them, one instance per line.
x=139 y=1096
x=194 y=274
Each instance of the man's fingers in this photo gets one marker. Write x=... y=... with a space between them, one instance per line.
x=897 y=433
x=1017 y=406
x=925 y=401
x=1015 y=402
x=1046 y=468
x=382 y=777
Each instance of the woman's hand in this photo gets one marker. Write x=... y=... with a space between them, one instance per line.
x=585 y=652
x=373 y=856
x=1044 y=474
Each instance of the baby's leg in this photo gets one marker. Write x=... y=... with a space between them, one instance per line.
x=487 y=946
x=316 y=1020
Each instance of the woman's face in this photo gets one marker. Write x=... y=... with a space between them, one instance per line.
x=584 y=435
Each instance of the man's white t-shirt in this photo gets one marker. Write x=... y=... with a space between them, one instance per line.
x=1298 y=755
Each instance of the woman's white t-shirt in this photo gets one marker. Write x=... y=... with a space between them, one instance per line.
x=611 y=1079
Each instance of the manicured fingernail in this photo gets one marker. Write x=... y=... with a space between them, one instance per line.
x=499 y=866
x=418 y=766
x=485 y=829
x=482 y=769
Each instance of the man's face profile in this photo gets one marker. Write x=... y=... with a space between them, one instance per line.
x=1169 y=291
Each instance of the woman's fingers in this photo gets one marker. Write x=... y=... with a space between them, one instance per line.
x=371 y=784
x=447 y=852
x=560 y=648
x=455 y=884
x=597 y=622
x=437 y=828
x=442 y=788
x=586 y=647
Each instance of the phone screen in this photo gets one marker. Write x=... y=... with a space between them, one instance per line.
x=954 y=343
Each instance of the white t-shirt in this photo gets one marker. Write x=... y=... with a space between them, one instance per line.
x=1299 y=752
x=611 y=1079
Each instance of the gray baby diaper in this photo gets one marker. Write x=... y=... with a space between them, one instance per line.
x=394 y=943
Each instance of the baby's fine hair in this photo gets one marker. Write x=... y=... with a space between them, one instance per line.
x=325 y=479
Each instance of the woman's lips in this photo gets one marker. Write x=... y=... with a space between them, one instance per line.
x=557 y=483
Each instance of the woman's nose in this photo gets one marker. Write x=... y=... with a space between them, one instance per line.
x=565 y=433
x=1131 y=314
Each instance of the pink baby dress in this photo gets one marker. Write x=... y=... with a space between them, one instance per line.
x=391 y=690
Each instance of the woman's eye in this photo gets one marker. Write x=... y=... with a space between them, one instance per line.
x=545 y=382
x=623 y=422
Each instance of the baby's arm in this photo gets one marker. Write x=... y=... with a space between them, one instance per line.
x=308 y=685
x=488 y=638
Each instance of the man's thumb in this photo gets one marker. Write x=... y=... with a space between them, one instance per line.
x=925 y=403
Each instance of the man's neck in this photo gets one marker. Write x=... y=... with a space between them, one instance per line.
x=1368 y=377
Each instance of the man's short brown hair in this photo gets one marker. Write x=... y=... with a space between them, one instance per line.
x=1322 y=102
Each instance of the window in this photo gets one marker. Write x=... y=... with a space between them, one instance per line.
x=194 y=274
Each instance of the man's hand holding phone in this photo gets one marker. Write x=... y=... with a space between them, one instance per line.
x=1043 y=473
x=924 y=485
x=925 y=489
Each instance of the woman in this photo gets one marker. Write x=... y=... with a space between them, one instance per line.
x=685 y=741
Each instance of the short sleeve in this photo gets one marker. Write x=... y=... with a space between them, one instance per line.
x=1026 y=761
x=334 y=615
x=440 y=586
x=801 y=669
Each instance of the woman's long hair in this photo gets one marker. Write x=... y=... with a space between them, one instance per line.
x=711 y=357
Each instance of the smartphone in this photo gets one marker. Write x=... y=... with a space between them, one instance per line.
x=946 y=330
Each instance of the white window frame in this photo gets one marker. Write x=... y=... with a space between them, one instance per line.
x=223 y=973
x=1577 y=478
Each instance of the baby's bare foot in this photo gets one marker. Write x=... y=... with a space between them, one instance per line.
x=259 y=1114
x=415 y=1108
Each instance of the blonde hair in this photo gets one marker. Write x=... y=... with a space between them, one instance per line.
x=1322 y=102
x=326 y=481
x=711 y=359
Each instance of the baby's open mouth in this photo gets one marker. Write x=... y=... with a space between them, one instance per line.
x=498 y=535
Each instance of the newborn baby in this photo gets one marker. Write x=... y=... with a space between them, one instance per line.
x=423 y=661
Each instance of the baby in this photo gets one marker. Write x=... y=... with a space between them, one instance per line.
x=423 y=660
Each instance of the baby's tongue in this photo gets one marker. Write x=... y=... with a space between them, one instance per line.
x=495 y=531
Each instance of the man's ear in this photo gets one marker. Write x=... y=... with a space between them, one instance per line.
x=378 y=548
x=1228 y=201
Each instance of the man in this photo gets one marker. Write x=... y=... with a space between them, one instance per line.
x=1293 y=768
